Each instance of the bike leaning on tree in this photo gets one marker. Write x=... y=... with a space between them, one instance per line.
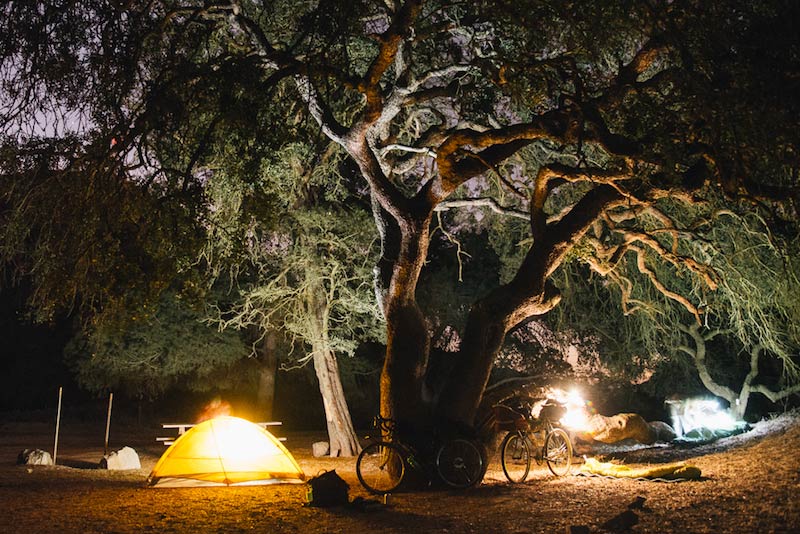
x=383 y=464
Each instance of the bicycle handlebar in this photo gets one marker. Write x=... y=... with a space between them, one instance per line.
x=509 y=408
x=527 y=414
x=384 y=424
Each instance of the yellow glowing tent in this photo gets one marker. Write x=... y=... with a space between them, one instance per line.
x=225 y=451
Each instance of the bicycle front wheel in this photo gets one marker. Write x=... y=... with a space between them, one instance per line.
x=515 y=456
x=459 y=463
x=558 y=452
x=380 y=467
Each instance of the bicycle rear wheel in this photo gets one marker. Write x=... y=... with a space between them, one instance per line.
x=459 y=463
x=558 y=452
x=515 y=456
x=380 y=467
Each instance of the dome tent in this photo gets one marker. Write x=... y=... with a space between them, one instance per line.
x=225 y=451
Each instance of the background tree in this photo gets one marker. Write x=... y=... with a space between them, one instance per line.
x=752 y=313
x=156 y=349
x=322 y=298
x=755 y=311
x=306 y=275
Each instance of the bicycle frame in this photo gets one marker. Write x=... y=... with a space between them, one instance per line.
x=548 y=443
x=382 y=464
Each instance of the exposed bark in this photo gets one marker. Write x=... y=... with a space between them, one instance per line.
x=564 y=115
x=407 y=337
x=698 y=353
x=341 y=434
x=738 y=401
x=405 y=364
x=776 y=396
x=527 y=295
x=487 y=325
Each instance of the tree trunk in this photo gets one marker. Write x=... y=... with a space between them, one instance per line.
x=749 y=388
x=267 y=372
x=738 y=403
x=464 y=388
x=404 y=247
x=341 y=434
x=528 y=294
x=403 y=373
x=404 y=227
x=699 y=356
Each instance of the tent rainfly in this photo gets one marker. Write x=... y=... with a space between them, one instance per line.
x=225 y=451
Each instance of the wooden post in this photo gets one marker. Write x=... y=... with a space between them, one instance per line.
x=108 y=423
x=58 y=423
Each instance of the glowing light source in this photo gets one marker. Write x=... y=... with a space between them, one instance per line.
x=689 y=414
x=577 y=415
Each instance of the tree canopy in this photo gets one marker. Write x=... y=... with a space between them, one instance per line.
x=157 y=349
x=597 y=127
x=638 y=330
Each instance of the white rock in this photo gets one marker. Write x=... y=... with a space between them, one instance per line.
x=320 y=448
x=35 y=457
x=620 y=427
x=125 y=458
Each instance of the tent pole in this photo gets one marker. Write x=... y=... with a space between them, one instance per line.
x=58 y=423
x=108 y=423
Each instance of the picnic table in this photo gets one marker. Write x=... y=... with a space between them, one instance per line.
x=183 y=427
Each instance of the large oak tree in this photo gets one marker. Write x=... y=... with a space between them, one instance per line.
x=598 y=122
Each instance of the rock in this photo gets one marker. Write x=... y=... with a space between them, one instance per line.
x=320 y=448
x=619 y=427
x=125 y=458
x=662 y=431
x=34 y=457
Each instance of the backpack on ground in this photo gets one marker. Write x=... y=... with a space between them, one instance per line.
x=327 y=489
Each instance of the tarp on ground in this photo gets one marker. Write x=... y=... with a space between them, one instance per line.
x=703 y=435
x=667 y=471
x=225 y=451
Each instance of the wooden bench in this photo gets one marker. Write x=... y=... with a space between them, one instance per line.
x=183 y=427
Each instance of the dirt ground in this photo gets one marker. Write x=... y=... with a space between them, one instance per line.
x=751 y=483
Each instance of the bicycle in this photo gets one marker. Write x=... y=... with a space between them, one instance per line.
x=517 y=447
x=383 y=463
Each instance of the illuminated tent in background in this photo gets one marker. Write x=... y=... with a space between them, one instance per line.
x=226 y=451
